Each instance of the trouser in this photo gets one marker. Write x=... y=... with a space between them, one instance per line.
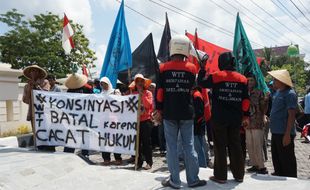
x=243 y=145
x=200 y=148
x=254 y=144
x=145 y=146
x=107 y=156
x=283 y=157
x=185 y=128
x=209 y=132
x=161 y=138
x=227 y=135
x=266 y=132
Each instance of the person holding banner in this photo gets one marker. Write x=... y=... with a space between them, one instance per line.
x=107 y=88
x=140 y=85
x=36 y=81
x=174 y=104
x=52 y=80
x=77 y=83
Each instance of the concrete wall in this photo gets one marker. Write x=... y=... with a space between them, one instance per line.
x=13 y=113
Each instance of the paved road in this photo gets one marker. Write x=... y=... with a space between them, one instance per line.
x=302 y=151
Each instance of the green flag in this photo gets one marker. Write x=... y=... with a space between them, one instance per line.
x=245 y=57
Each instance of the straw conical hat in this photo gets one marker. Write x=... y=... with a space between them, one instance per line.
x=42 y=73
x=283 y=76
x=76 y=81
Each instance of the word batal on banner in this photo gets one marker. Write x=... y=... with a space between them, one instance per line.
x=87 y=121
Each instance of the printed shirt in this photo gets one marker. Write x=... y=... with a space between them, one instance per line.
x=257 y=107
x=146 y=105
x=230 y=98
x=281 y=103
x=176 y=79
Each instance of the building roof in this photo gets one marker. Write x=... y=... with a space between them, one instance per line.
x=276 y=51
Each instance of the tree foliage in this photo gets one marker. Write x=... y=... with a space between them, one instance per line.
x=294 y=65
x=38 y=41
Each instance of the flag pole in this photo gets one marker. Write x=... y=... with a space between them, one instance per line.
x=138 y=133
x=129 y=79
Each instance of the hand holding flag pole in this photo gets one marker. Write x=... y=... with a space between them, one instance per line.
x=201 y=56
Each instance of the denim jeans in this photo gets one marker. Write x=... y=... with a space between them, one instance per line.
x=180 y=147
x=161 y=138
x=200 y=148
x=172 y=127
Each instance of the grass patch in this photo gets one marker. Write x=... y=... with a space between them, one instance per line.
x=22 y=129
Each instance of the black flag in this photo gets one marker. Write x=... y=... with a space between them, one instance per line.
x=143 y=61
x=163 y=52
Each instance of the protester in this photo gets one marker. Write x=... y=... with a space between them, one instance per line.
x=267 y=120
x=140 y=86
x=52 y=81
x=77 y=83
x=282 y=118
x=255 y=129
x=230 y=104
x=36 y=81
x=159 y=135
x=307 y=106
x=123 y=88
x=97 y=87
x=175 y=106
x=199 y=127
x=107 y=89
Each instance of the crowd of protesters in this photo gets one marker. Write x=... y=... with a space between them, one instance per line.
x=236 y=117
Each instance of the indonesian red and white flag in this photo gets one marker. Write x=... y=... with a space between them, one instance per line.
x=67 y=33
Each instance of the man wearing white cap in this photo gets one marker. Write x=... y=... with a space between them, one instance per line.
x=282 y=119
x=174 y=103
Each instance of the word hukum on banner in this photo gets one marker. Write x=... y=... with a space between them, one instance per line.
x=105 y=123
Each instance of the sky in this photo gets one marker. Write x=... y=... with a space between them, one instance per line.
x=272 y=26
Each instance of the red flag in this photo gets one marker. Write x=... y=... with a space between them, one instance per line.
x=67 y=33
x=84 y=70
x=211 y=49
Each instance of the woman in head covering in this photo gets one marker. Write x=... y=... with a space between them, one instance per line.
x=140 y=86
x=107 y=89
x=36 y=81
x=77 y=83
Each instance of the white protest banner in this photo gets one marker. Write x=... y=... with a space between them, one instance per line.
x=105 y=123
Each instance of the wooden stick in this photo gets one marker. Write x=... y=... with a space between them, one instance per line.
x=33 y=121
x=138 y=132
x=129 y=80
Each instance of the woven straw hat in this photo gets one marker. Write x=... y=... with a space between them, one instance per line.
x=42 y=73
x=76 y=81
x=283 y=76
x=146 y=84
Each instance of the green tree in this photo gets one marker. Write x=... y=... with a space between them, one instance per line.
x=38 y=41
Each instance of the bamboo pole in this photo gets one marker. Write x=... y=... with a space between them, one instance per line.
x=138 y=132
x=33 y=121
